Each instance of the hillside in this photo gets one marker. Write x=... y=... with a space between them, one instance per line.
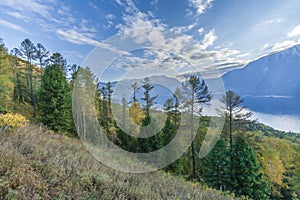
x=269 y=84
x=37 y=164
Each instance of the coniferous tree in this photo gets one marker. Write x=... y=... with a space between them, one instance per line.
x=5 y=83
x=149 y=100
x=194 y=93
x=20 y=87
x=59 y=60
x=110 y=91
x=54 y=107
x=28 y=52
x=135 y=88
x=103 y=108
x=247 y=177
x=216 y=166
x=41 y=56
x=233 y=111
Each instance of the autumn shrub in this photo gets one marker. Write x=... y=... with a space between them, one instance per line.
x=10 y=120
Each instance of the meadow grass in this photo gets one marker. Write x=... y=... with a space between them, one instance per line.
x=36 y=163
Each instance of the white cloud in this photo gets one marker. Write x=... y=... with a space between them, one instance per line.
x=265 y=46
x=295 y=32
x=267 y=22
x=76 y=37
x=32 y=6
x=200 y=5
x=12 y=26
x=110 y=16
x=209 y=39
x=243 y=55
x=18 y=16
x=92 y=5
x=170 y=47
x=279 y=46
x=153 y=2
x=201 y=30
x=119 y=2
x=182 y=29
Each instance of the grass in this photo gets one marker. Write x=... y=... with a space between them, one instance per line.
x=38 y=164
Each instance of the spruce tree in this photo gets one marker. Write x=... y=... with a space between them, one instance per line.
x=216 y=164
x=247 y=177
x=54 y=107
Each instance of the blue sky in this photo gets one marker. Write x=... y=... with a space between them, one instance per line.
x=234 y=32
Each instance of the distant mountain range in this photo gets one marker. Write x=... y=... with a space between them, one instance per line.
x=270 y=84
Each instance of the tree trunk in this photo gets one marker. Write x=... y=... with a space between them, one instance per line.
x=192 y=136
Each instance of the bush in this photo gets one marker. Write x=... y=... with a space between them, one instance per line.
x=10 y=120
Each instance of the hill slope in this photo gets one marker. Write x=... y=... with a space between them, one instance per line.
x=37 y=164
x=270 y=84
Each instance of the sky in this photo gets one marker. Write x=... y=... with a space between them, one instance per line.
x=231 y=33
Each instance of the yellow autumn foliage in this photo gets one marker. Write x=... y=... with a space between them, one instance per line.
x=12 y=120
x=136 y=113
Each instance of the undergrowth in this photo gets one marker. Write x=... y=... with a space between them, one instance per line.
x=38 y=164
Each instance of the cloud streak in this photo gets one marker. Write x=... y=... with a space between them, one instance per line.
x=295 y=32
x=13 y=26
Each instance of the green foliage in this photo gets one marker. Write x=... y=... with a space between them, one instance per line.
x=28 y=52
x=217 y=167
x=247 y=177
x=234 y=113
x=54 y=107
x=6 y=86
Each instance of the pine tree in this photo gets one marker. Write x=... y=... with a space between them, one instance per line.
x=41 y=56
x=247 y=177
x=233 y=111
x=21 y=89
x=194 y=93
x=135 y=88
x=28 y=52
x=149 y=100
x=54 y=107
x=59 y=60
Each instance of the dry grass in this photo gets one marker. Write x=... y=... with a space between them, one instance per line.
x=38 y=164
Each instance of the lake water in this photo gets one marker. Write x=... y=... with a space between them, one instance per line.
x=280 y=122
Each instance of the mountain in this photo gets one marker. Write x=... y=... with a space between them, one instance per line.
x=270 y=84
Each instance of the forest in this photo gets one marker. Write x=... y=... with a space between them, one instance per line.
x=250 y=160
